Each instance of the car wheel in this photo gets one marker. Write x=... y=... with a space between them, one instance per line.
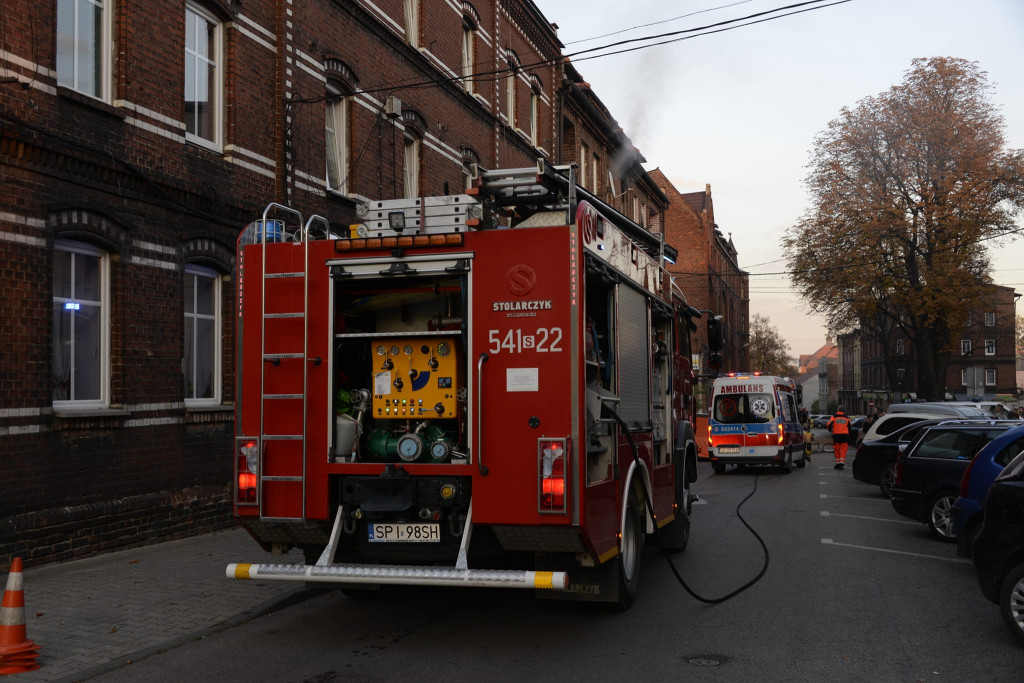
x=718 y=467
x=787 y=465
x=802 y=462
x=1011 y=600
x=887 y=478
x=631 y=551
x=940 y=516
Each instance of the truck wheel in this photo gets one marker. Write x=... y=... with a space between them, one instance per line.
x=629 y=557
x=676 y=534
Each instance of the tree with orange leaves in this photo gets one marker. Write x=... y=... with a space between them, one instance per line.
x=909 y=188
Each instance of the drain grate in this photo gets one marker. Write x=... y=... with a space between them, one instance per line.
x=706 y=659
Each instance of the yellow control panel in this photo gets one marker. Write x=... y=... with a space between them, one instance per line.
x=415 y=378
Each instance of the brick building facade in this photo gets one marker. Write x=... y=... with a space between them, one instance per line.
x=138 y=138
x=707 y=271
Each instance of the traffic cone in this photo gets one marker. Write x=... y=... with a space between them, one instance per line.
x=17 y=653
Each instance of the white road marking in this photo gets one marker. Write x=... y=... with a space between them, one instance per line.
x=877 y=500
x=826 y=513
x=829 y=541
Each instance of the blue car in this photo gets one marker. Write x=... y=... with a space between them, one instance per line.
x=969 y=508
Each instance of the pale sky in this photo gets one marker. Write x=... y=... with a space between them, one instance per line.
x=740 y=109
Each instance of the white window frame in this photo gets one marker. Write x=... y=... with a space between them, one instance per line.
x=990 y=377
x=470 y=172
x=990 y=347
x=468 y=48
x=336 y=127
x=411 y=172
x=510 y=94
x=194 y=12
x=195 y=271
x=103 y=401
x=963 y=377
x=965 y=347
x=990 y=320
x=534 y=118
x=102 y=48
x=584 y=159
x=411 y=11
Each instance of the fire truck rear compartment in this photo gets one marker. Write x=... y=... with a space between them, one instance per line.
x=399 y=356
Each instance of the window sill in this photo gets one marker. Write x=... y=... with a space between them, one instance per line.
x=89 y=101
x=200 y=414
x=90 y=418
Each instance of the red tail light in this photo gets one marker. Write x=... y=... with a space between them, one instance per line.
x=966 y=479
x=247 y=466
x=553 y=470
x=899 y=472
x=782 y=434
x=711 y=441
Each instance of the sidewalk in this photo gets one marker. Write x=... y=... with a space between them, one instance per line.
x=94 y=615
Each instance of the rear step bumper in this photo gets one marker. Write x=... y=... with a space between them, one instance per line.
x=379 y=574
x=327 y=571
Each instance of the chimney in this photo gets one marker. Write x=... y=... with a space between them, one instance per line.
x=707 y=188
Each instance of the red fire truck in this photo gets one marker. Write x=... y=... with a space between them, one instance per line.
x=486 y=389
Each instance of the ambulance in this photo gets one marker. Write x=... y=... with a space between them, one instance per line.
x=754 y=420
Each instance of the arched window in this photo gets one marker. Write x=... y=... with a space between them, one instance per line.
x=415 y=128
x=341 y=83
x=470 y=22
x=203 y=76
x=510 y=86
x=201 y=359
x=81 y=325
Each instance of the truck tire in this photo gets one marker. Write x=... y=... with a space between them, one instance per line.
x=676 y=534
x=631 y=552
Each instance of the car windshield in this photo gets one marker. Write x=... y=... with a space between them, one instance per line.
x=743 y=408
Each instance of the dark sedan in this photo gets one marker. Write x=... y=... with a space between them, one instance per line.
x=929 y=471
x=999 y=549
x=875 y=460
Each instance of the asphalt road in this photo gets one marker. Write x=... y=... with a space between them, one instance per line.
x=853 y=592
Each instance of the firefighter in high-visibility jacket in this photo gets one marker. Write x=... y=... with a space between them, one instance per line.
x=839 y=425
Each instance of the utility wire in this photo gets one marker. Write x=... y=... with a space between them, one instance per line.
x=655 y=23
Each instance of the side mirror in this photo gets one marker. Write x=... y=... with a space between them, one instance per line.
x=716 y=334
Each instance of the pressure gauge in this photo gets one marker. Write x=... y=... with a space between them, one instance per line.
x=443 y=349
x=362 y=231
x=394 y=350
x=439 y=450
x=382 y=350
x=409 y=447
x=408 y=350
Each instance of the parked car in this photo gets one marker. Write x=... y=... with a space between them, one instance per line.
x=875 y=460
x=939 y=408
x=928 y=472
x=969 y=508
x=999 y=549
x=890 y=422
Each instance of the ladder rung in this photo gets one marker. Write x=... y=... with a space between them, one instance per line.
x=283 y=437
x=278 y=276
x=300 y=314
x=279 y=478
x=277 y=396
x=275 y=356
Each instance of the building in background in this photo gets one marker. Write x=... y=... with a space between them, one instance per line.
x=707 y=271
